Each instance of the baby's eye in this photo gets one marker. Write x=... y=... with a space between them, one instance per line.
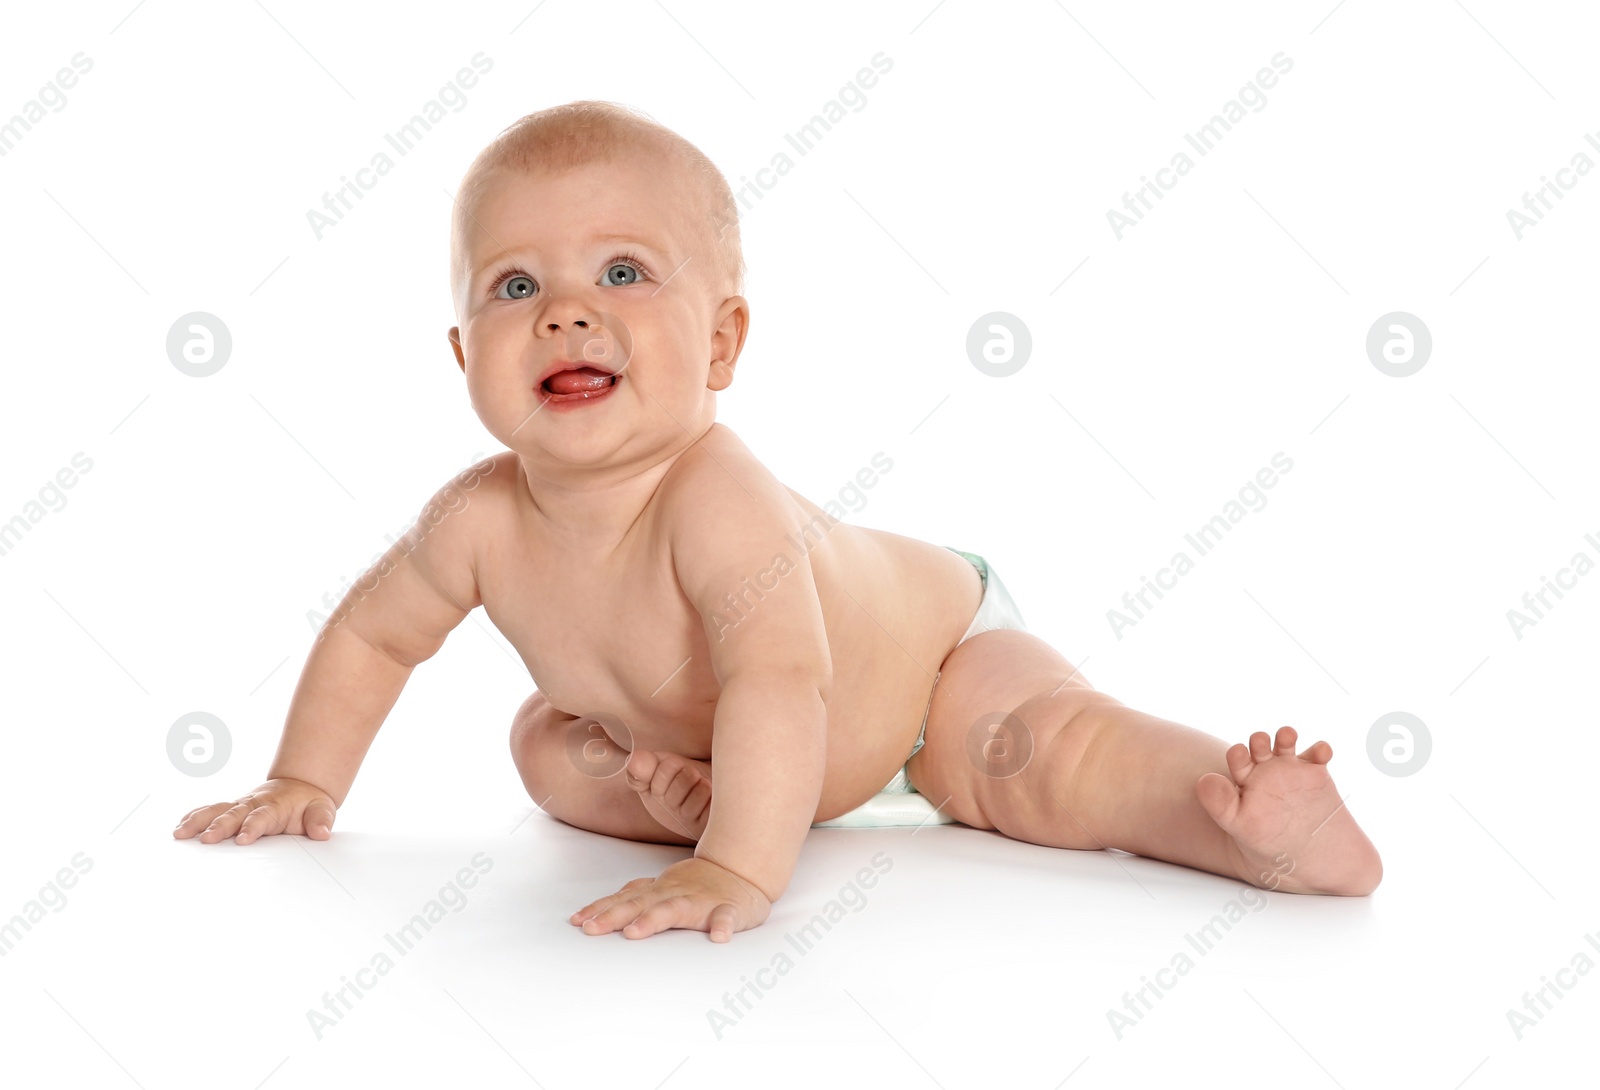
x=622 y=273
x=519 y=287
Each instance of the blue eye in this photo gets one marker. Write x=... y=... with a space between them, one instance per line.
x=519 y=286
x=623 y=272
x=622 y=279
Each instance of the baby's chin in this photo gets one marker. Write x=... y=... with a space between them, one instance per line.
x=545 y=437
x=558 y=460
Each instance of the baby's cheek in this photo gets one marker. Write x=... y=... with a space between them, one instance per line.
x=490 y=385
x=489 y=400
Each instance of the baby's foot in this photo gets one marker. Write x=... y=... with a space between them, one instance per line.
x=674 y=788
x=1284 y=814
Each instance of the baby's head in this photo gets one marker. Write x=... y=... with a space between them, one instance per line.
x=589 y=233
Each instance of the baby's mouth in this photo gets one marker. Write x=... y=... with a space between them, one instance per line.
x=582 y=380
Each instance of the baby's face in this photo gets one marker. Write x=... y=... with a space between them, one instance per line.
x=597 y=266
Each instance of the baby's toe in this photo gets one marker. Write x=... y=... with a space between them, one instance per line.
x=641 y=768
x=1319 y=754
x=1239 y=762
x=1284 y=746
x=1218 y=797
x=676 y=775
x=1260 y=745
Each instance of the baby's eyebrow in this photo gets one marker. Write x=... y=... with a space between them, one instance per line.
x=624 y=238
x=611 y=236
x=655 y=247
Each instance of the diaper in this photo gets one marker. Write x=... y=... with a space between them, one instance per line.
x=898 y=803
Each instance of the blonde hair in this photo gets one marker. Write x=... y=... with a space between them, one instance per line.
x=577 y=134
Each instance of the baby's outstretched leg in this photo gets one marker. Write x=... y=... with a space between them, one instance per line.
x=1284 y=813
x=674 y=788
x=1066 y=765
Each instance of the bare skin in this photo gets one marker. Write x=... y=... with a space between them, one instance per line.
x=679 y=608
x=1271 y=818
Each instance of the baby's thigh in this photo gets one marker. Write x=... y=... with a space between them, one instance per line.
x=997 y=735
x=574 y=771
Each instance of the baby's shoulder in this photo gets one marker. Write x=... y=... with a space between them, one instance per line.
x=719 y=473
x=486 y=482
x=463 y=508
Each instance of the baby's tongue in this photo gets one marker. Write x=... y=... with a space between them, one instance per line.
x=584 y=379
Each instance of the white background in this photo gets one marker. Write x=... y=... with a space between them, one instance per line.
x=1227 y=326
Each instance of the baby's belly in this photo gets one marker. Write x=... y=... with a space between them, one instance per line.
x=871 y=729
x=874 y=710
x=893 y=607
x=870 y=734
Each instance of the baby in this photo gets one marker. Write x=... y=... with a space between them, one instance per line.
x=719 y=662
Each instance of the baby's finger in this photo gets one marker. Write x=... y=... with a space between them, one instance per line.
x=198 y=819
x=262 y=821
x=661 y=916
x=724 y=922
x=615 y=917
x=317 y=819
x=597 y=906
x=224 y=824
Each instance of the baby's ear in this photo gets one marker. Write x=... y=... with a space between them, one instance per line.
x=455 y=343
x=727 y=340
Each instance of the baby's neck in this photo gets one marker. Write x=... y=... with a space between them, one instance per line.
x=592 y=510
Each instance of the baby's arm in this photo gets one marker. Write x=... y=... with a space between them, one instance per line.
x=729 y=521
x=395 y=616
x=770 y=730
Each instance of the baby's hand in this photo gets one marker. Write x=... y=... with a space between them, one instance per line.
x=277 y=806
x=695 y=894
